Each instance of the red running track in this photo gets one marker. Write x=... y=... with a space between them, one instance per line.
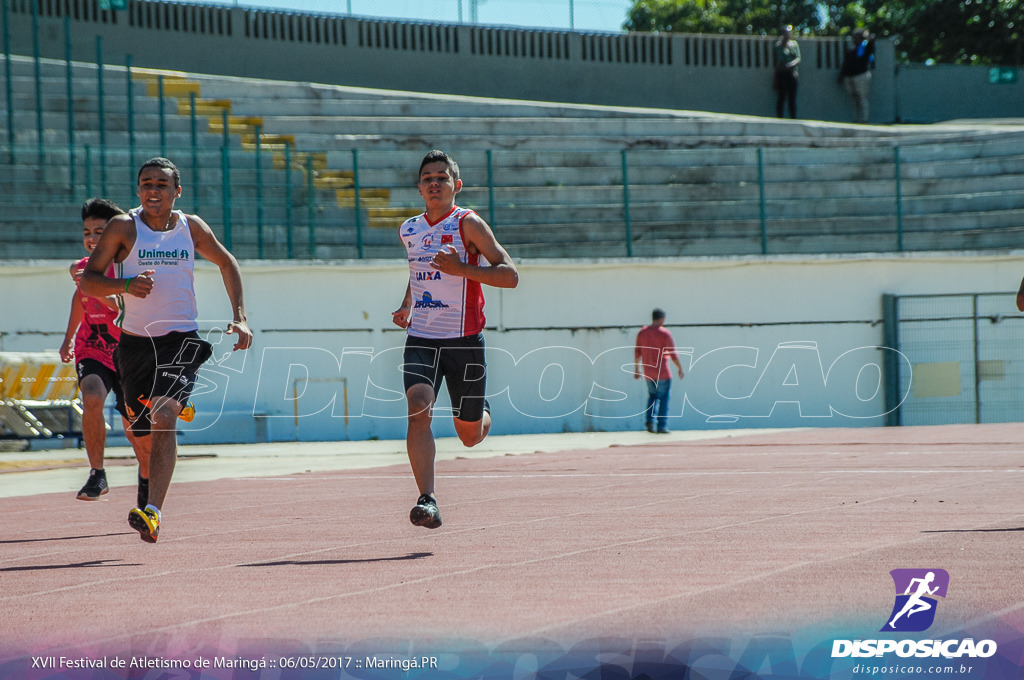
x=748 y=535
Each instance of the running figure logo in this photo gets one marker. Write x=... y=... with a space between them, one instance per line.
x=914 y=610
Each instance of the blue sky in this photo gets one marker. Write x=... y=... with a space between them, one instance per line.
x=587 y=15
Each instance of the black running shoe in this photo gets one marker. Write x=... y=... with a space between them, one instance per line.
x=142 y=499
x=95 y=487
x=426 y=514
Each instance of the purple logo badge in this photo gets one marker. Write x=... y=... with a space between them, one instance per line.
x=916 y=593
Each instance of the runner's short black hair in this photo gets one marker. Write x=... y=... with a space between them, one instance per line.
x=100 y=208
x=161 y=162
x=436 y=156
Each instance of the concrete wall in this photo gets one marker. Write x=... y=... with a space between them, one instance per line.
x=780 y=341
x=950 y=92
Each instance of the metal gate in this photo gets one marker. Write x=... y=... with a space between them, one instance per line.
x=966 y=354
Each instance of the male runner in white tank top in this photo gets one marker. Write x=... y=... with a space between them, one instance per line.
x=443 y=312
x=154 y=247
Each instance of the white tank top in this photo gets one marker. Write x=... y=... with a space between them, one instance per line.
x=171 y=306
x=443 y=306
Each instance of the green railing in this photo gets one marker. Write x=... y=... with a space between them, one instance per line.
x=541 y=204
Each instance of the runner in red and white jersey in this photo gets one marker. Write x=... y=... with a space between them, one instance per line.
x=452 y=251
x=444 y=305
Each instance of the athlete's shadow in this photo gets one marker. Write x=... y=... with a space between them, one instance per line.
x=92 y=564
x=60 y=538
x=283 y=563
x=973 y=531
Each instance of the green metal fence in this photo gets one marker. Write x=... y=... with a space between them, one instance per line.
x=286 y=204
x=81 y=128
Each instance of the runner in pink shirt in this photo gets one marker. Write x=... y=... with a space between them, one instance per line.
x=90 y=339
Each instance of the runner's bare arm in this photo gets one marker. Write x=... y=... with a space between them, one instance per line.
x=213 y=250
x=117 y=239
x=500 y=271
x=67 y=348
x=400 y=316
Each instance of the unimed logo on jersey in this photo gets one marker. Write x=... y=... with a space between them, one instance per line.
x=917 y=591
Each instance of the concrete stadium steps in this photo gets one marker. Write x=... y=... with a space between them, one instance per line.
x=115 y=126
x=870 y=165
x=147 y=143
x=311 y=103
x=751 y=227
x=245 y=182
x=311 y=100
x=709 y=168
x=993 y=166
x=781 y=200
x=459 y=145
x=748 y=243
x=59 y=222
x=53 y=85
x=698 y=124
x=538 y=141
x=145 y=105
x=481 y=125
x=998 y=223
x=694 y=181
x=177 y=121
x=26 y=226
x=966 y=238
x=951 y=205
x=57 y=102
x=338 y=135
x=278 y=98
x=993 y=143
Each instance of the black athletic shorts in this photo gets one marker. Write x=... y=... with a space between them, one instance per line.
x=164 y=366
x=459 y=361
x=87 y=367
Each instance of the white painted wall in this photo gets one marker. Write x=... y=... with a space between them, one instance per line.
x=764 y=334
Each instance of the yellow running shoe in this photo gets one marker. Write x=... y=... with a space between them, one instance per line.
x=146 y=523
x=188 y=413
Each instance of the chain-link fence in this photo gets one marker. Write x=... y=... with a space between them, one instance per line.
x=966 y=354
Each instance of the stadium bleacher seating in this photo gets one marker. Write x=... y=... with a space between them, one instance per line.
x=550 y=177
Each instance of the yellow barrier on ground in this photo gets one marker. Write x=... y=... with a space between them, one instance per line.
x=36 y=376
